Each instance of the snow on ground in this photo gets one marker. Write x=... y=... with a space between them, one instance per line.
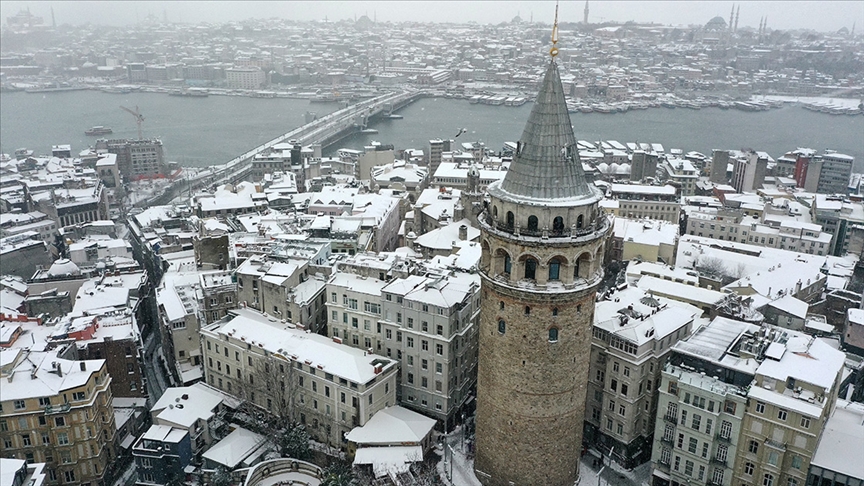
x=463 y=468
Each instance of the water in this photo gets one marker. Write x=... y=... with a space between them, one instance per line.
x=208 y=131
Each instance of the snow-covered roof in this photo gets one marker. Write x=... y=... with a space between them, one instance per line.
x=791 y=306
x=235 y=448
x=393 y=426
x=839 y=448
x=285 y=340
x=388 y=460
x=172 y=408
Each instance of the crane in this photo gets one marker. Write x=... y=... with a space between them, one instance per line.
x=139 y=118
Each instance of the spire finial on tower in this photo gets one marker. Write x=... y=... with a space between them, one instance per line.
x=554 y=51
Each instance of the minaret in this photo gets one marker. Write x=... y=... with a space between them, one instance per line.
x=585 y=16
x=731 y=17
x=737 y=13
x=542 y=237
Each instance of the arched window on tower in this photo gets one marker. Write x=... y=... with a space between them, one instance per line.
x=558 y=225
x=579 y=222
x=554 y=269
x=502 y=326
x=532 y=223
x=508 y=265
x=495 y=212
x=510 y=220
x=553 y=334
x=531 y=269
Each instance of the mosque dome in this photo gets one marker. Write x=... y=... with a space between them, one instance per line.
x=63 y=267
x=717 y=23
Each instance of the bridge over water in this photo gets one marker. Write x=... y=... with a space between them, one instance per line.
x=324 y=131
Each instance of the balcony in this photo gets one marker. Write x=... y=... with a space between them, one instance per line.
x=671 y=419
x=722 y=438
x=663 y=466
x=667 y=440
x=51 y=409
x=718 y=461
x=777 y=445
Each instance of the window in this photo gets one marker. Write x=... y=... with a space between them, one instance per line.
x=532 y=223
x=622 y=410
x=59 y=421
x=797 y=462
x=69 y=476
x=410 y=377
x=613 y=385
x=805 y=422
x=553 y=335
x=705 y=448
x=502 y=326
x=19 y=404
x=424 y=364
x=554 y=269
x=694 y=444
x=680 y=442
x=62 y=438
x=760 y=407
x=726 y=429
x=624 y=389
x=753 y=447
x=688 y=468
x=616 y=367
x=781 y=414
x=424 y=345
x=530 y=269
x=439 y=349
x=424 y=382
x=773 y=458
x=697 y=420
x=439 y=368
x=409 y=341
x=748 y=468
x=717 y=476
x=768 y=480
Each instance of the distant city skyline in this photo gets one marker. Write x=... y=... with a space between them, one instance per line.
x=824 y=16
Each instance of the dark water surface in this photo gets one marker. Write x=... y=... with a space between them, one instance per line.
x=212 y=130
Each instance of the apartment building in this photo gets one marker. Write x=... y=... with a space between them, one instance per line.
x=793 y=394
x=638 y=201
x=284 y=289
x=58 y=412
x=295 y=374
x=632 y=334
x=245 y=77
x=136 y=158
x=701 y=405
x=682 y=174
x=733 y=225
x=354 y=309
x=429 y=324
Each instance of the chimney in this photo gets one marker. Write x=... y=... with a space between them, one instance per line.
x=83 y=365
x=463 y=232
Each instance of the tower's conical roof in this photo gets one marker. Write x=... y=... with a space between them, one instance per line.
x=546 y=165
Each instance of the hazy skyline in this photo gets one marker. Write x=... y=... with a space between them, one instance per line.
x=825 y=16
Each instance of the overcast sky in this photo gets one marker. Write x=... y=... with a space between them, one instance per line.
x=817 y=15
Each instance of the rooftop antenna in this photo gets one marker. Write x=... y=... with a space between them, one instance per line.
x=139 y=118
x=554 y=51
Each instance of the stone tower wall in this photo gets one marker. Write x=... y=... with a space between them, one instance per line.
x=531 y=392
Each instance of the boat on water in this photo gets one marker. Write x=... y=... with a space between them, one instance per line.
x=116 y=90
x=368 y=130
x=98 y=130
x=190 y=93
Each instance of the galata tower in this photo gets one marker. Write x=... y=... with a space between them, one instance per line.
x=543 y=238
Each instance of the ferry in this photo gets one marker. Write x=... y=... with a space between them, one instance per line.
x=190 y=93
x=98 y=130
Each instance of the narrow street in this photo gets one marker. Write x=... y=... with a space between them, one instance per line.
x=152 y=369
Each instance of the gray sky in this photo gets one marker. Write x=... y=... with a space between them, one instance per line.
x=817 y=15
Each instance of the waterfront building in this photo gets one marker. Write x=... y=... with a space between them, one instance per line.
x=136 y=159
x=826 y=174
x=251 y=77
x=297 y=375
x=542 y=240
